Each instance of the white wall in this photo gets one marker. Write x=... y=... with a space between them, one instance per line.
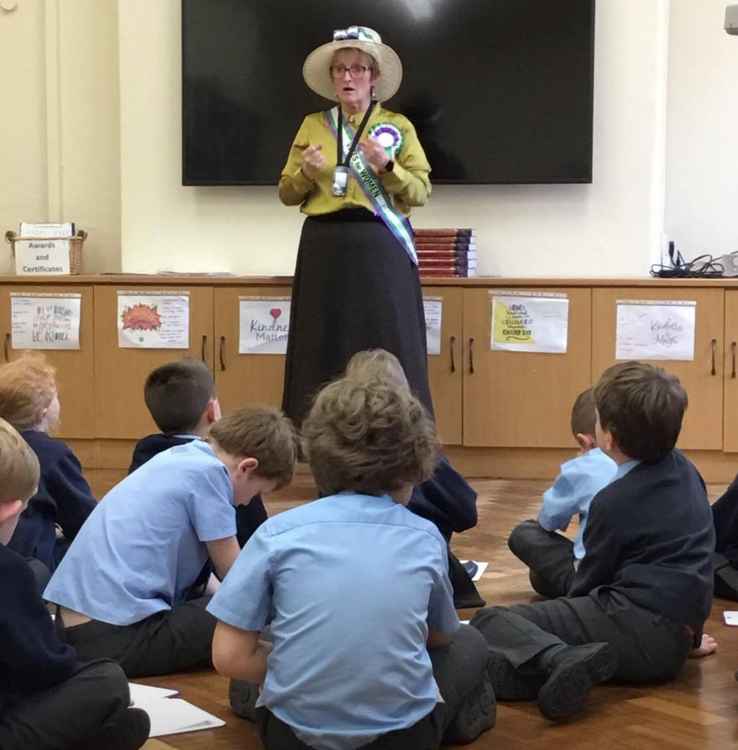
x=611 y=227
x=702 y=138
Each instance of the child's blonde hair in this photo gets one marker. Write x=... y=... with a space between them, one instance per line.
x=27 y=387
x=368 y=436
x=19 y=470
x=376 y=363
x=263 y=433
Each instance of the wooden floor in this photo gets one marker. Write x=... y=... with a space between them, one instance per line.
x=699 y=710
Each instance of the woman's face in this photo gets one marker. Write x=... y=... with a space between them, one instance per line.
x=353 y=78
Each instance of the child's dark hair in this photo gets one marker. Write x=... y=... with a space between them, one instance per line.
x=583 y=414
x=368 y=436
x=642 y=406
x=177 y=394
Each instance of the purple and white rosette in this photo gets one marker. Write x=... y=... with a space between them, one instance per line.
x=388 y=136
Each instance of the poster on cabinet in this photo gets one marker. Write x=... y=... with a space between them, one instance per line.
x=153 y=320
x=433 y=309
x=655 y=329
x=529 y=321
x=45 y=320
x=264 y=323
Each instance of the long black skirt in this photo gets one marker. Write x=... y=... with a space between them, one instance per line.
x=355 y=288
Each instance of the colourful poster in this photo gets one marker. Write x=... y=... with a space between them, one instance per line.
x=153 y=320
x=529 y=322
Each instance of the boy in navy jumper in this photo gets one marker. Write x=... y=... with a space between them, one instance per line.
x=551 y=557
x=356 y=592
x=48 y=699
x=30 y=402
x=181 y=399
x=643 y=590
x=122 y=588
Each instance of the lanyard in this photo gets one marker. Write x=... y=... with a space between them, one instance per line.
x=340 y=160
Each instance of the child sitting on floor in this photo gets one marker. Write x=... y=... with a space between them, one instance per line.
x=48 y=699
x=181 y=399
x=551 y=557
x=122 y=586
x=30 y=402
x=643 y=590
x=355 y=590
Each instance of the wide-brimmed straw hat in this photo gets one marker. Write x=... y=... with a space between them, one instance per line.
x=316 y=69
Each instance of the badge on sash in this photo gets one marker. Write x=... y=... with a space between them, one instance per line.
x=388 y=136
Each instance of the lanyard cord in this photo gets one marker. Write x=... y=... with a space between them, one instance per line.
x=340 y=161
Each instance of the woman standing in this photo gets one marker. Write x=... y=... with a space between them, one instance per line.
x=355 y=171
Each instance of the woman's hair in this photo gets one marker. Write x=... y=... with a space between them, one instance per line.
x=368 y=436
x=19 y=470
x=263 y=433
x=27 y=387
x=376 y=363
x=642 y=406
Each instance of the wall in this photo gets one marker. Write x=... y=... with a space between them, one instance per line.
x=612 y=227
x=702 y=145
x=60 y=150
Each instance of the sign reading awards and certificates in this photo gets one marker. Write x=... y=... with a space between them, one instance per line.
x=529 y=321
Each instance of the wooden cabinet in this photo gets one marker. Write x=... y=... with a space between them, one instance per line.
x=74 y=367
x=120 y=373
x=523 y=400
x=445 y=368
x=701 y=377
x=243 y=378
x=730 y=391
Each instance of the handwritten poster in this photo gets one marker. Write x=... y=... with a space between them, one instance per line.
x=433 y=308
x=264 y=323
x=655 y=329
x=530 y=322
x=153 y=320
x=45 y=321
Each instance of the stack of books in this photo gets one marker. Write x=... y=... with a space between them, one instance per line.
x=446 y=252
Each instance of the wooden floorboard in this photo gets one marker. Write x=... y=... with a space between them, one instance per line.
x=698 y=710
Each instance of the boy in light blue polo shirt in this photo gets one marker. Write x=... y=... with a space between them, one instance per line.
x=355 y=589
x=551 y=557
x=122 y=586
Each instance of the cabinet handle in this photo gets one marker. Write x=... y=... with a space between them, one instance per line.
x=451 y=345
x=732 y=351
x=471 y=356
x=713 y=345
x=202 y=346
x=222 y=347
x=6 y=347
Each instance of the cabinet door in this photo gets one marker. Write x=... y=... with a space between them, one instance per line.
x=120 y=373
x=523 y=399
x=244 y=378
x=74 y=367
x=730 y=412
x=701 y=377
x=445 y=368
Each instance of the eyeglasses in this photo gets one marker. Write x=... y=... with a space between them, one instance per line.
x=356 y=70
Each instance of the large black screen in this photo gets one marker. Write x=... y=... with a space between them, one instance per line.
x=500 y=91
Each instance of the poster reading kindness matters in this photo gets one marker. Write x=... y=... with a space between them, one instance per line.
x=264 y=323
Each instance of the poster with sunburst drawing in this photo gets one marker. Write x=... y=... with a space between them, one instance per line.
x=153 y=320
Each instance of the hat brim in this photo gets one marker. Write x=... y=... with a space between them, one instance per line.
x=317 y=74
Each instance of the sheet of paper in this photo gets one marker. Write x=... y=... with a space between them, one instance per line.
x=45 y=321
x=433 y=308
x=481 y=567
x=655 y=329
x=29 y=229
x=141 y=694
x=529 y=322
x=264 y=323
x=730 y=617
x=175 y=716
x=153 y=320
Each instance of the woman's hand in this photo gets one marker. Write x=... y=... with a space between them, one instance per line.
x=313 y=162
x=374 y=154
